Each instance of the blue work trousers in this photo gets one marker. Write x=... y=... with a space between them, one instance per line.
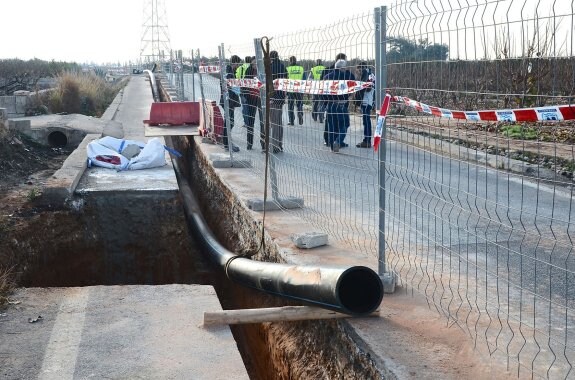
x=336 y=122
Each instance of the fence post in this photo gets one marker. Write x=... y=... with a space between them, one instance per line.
x=181 y=76
x=203 y=99
x=380 y=15
x=262 y=78
x=378 y=87
x=193 y=78
x=225 y=96
x=171 y=68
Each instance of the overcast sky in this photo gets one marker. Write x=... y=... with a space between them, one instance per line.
x=111 y=30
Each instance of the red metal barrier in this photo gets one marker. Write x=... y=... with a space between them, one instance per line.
x=212 y=121
x=174 y=113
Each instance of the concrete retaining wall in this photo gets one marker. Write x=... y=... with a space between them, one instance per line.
x=15 y=105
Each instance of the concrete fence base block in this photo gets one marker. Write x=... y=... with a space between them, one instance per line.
x=389 y=280
x=257 y=204
x=207 y=140
x=309 y=240
x=222 y=160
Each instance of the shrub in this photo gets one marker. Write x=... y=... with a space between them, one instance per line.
x=70 y=94
x=84 y=93
x=6 y=284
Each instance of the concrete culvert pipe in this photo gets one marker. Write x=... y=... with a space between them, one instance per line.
x=57 y=139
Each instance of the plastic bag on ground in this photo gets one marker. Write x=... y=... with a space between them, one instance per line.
x=107 y=152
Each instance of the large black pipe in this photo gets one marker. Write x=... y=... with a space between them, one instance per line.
x=353 y=290
x=153 y=85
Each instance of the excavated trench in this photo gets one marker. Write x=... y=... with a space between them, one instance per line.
x=131 y=238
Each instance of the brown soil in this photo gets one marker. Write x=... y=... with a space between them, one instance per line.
x=24 y=167
x=552 y=140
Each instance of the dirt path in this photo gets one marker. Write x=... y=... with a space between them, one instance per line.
x=554 y=140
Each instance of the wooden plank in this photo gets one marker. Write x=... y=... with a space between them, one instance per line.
x=183 y=130
x=272 y=314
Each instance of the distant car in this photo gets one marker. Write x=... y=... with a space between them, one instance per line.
x=137 y=71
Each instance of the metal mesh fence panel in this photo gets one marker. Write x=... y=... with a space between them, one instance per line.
x=479 y=204
x=478 y=163
x=339 y=191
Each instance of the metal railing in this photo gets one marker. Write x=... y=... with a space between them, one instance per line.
x=474 y=210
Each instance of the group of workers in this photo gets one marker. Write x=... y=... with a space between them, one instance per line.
x=335 y=108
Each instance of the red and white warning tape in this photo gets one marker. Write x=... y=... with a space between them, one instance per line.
x=246 y=83
x=209 y=69
x=550 y=113
x=380 y=120
x=320 y=87
x=312 y=87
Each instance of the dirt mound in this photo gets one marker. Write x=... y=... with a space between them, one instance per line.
x=24 y=167
x=20 y=157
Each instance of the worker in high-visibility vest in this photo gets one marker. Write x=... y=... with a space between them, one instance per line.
x=240 y=74
x=317 y=104
x=295 y=72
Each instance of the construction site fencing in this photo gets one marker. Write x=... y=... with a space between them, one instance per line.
x=469 y=199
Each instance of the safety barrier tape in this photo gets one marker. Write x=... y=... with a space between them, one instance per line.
x=547 y=113
x=320 y=87
x=380 y=121
x=311 y=87
x=246 y=83
x=209 y=69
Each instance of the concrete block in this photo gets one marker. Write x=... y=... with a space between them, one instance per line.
x=19 y=125
x=218 y=156
x=61 y=186
x=389 y=280
x=222 y=160
x=309 y=240
x=257 y=204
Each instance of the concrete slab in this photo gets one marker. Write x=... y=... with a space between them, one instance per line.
x=130 y=110
x=97 y=179
x=128 y=332
x=86 y=124
x=61 y=185
x=180 y=130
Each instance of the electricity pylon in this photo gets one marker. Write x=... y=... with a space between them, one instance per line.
x=155 y=43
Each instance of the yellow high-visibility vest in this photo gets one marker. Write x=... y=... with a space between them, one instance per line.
x=316 y=71
x=295 y=72
x=241 y=71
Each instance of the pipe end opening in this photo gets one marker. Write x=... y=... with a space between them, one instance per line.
x=360 y=290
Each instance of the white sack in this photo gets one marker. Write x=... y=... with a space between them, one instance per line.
x=106 y=152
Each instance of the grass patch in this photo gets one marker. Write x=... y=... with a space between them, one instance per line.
x=515 y=131
x=33 y=194
x=6 y=284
